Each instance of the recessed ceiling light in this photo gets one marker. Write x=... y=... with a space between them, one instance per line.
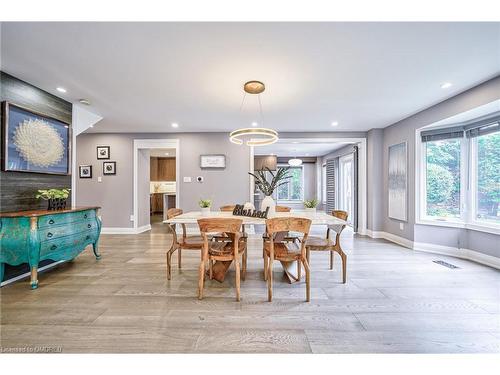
x=61 y=89
x=272 y=153
x=254 y=124
x=84 y=101
x=91 y=126
x=295 y=142
x=335 y=123
x=446 y=85
x=166 y=153
x=175 y=125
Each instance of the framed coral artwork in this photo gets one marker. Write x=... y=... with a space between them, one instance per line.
x=33 y=142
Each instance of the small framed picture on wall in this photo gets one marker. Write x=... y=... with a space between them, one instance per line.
x=109 y=167
x=103 y=152
x=85 y=171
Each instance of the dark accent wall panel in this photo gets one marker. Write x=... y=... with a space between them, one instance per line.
x=18 y=188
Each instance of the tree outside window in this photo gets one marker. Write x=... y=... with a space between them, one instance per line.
x=488 y=177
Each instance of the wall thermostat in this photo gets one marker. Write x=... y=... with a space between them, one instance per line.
x=199 y=179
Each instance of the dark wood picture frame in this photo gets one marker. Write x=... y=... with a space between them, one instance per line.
x=80 y=171
x=107 y=173
x=108 y=152
x=5 y=139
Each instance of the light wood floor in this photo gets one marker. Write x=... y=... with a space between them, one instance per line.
x=395 y=301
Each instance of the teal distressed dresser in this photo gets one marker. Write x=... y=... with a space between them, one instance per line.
x=33 y=236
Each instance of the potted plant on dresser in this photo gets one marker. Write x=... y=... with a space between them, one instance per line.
x=268 y=187
x=205 y=205
x=310 y=205
x=56 y=198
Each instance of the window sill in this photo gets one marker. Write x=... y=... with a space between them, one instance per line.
x=457 y=224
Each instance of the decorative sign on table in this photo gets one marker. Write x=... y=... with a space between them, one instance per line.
x=239 y=210
x=34 y=142
x=213 y=161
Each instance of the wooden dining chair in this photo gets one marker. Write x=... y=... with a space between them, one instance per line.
x=275 y=248
x=225 y=251
x=221 y=236
x=282 y=209
x=184 y=242
x=328 y=244
x=288 y=237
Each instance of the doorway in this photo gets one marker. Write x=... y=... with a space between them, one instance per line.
x=346 y=185
x=156 y=185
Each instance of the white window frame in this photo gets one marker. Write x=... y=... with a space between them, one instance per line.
x=302 y=190
x=468 y=174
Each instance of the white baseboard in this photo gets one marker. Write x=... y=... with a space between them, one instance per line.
x=468 y=254
x=138 y=230
x=28 y=274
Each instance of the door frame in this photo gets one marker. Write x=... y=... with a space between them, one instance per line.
x=140 y=144
x=362 y=171
x=341 y=192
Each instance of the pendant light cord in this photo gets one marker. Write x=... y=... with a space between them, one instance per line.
x=261 y=112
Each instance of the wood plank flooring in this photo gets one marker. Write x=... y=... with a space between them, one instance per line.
x=395 y=301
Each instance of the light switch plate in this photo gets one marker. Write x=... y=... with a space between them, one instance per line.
x=187 y=179
x=131 y=217
x=401 y=226
x=99 y=179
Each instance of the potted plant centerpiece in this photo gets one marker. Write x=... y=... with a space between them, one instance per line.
x=205 y=205
x=268 y=187
x=56 y=198
x=310 y=205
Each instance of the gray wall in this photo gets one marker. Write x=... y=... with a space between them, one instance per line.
x=404 y=131
x=19 y=188
x=115 y=193
x=375 y=147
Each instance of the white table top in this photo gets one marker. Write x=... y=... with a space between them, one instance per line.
x=317 y=218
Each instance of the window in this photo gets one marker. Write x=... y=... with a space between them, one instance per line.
x=292 y=190
x=460 y=175
x=487 y=178
x=323 y=183
x=443 y=178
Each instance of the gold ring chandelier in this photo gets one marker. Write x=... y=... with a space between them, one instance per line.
x=254 y=136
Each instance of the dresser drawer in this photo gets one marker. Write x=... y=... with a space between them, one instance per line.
x=70 y=217
x=66 y=245
x=57 y=231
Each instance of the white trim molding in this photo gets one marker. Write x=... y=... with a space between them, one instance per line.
x=112 y=230
x=461 y=253
x=152 y=144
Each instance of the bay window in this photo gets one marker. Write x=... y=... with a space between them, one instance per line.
x=460 y=175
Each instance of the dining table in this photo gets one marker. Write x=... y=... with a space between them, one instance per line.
x=290 y=268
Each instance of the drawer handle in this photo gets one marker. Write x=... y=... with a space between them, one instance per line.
x=53 y=247
x=49 y=235
x=88 y=238
x=89 y=225
x=85 y=216
x=51 y=221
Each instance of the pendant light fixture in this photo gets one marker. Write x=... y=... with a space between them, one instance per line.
x=295 y=162
x=255 y=136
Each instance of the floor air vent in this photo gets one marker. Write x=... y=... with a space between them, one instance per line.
x=446 y=264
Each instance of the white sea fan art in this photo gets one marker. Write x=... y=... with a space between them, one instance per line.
x=39 y=143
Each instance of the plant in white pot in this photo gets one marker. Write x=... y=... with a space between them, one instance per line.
x=268 y=187
x=310 y=205
x=205 y=205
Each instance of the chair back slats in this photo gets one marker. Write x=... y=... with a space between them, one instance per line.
x=282 y=209
x=227 y=208
x=287 y=224
x=173 y=212
x=212 y=225
x=342 y=215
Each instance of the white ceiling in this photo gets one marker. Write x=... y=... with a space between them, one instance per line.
x=285 y=148
x=141 y=77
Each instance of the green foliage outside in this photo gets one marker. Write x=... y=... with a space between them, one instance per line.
x=443 y=177
x=488 y=172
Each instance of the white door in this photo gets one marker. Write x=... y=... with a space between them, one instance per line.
x=346 y=185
